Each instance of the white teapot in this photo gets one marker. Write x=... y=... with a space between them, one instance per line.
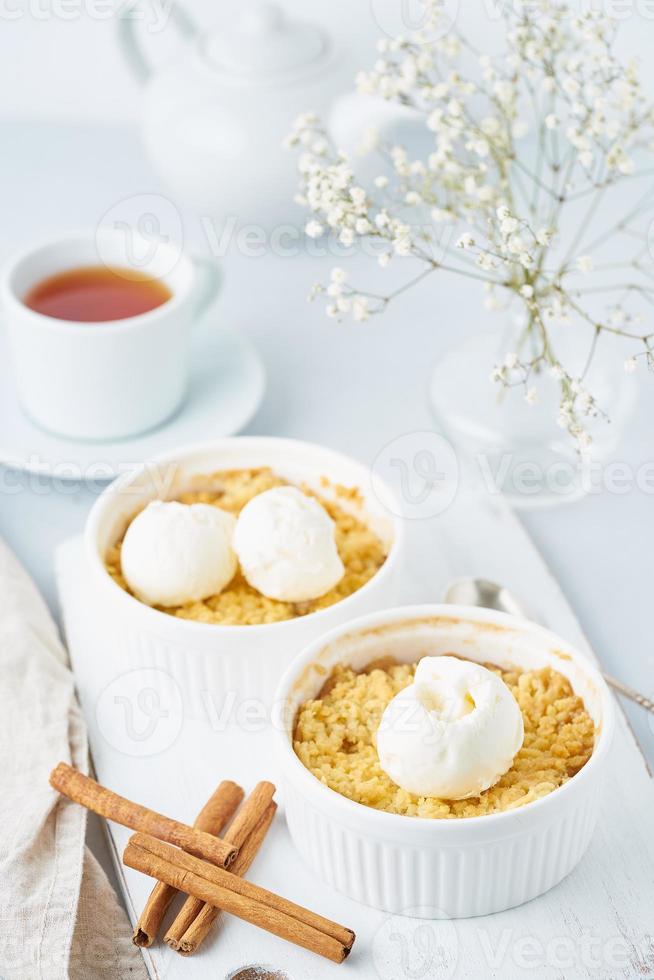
x=215 y=119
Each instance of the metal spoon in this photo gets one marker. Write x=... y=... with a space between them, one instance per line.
x=489 y=595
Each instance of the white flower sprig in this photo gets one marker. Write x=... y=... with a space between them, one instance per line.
x=497 y=208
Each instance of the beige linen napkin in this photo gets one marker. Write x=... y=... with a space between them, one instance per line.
x=59 y=916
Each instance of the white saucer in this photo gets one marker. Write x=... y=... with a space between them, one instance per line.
x=226 y=387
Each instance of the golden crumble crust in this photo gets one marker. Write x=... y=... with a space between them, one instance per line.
x=335 y=739
x=361 y=551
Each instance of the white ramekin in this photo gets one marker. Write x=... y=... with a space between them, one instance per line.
x=440 y=868
x=215 y=665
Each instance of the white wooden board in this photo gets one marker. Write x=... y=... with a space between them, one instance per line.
x=597 y=924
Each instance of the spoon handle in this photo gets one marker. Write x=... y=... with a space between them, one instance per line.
x=629 y=692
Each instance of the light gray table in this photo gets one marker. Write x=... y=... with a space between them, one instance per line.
x=353 y=387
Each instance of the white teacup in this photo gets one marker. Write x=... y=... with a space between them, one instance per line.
x=109 y=379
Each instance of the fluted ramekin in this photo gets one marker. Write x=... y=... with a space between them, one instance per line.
x=431 y=868
x=210 y=662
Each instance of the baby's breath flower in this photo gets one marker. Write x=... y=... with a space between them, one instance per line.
x=505 y=204
x=314 y=229
x=485 y=261
x=584 y=440
x=360 y=310
x=402 y=245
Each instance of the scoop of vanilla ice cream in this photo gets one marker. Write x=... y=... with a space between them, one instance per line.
x=286 y=546
x=175 y=553
x=452 y=733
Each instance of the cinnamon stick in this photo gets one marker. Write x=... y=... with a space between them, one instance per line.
x=239 y=897
x=217 y=811
x=250 y=813
x=84 y=790
x=245 y=823
x=201 y=916
x=239 y=886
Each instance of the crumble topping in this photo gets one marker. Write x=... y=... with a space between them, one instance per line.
x=361 y=552
x=335 y=739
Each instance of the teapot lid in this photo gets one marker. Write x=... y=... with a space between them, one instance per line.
x=265 y=42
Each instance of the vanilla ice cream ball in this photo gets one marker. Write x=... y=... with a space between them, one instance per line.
x=286 y=546
x=177 y=553
x=452 y=733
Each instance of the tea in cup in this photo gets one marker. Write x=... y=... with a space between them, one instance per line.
x=101 y=347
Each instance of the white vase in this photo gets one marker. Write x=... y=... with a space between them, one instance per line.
x=519 y=449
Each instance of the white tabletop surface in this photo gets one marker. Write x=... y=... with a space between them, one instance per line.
x=594 y=925
x=353 y=387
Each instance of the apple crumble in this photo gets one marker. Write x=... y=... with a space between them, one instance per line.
x=335 y=739
x=360 y=549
